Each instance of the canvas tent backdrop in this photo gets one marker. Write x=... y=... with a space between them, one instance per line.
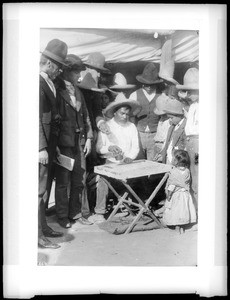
x=128 y=50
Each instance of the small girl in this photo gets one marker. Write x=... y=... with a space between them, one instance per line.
x=179 y=208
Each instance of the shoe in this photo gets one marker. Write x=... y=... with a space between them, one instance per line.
x=97 y=218
x=49 y=232
x=43 y=242
x=64 y=222
x=83 y=221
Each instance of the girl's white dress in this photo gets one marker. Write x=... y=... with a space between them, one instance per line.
x=180 y=209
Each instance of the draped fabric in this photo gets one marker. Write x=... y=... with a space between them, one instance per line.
x=119 y=45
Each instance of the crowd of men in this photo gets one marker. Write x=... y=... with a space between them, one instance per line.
x=83 y=118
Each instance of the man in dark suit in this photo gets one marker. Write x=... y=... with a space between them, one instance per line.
x=74 y=141
x=51 y=62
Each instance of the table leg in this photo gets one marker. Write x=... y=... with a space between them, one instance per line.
x=146 y=204
x=135 y=220
x=120 y=199
x=117 y=206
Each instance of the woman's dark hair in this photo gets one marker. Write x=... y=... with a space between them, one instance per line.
x=182 y=158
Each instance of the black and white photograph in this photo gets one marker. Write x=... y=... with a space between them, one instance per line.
x=103 y=119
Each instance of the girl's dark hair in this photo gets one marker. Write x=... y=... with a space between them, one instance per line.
x=182 y=158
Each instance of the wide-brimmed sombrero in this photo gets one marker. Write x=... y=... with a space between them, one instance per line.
x=120 y=83
x=191 y=80
x=120 y=101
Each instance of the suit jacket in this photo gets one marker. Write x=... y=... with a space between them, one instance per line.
x=178 y=139
x=73 y=119
x=93 y=102
x=49 y=117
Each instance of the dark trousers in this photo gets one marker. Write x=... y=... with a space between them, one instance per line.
x=44 y=177
x=70 y=192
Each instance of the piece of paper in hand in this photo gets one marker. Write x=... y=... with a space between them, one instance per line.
x=65 y=161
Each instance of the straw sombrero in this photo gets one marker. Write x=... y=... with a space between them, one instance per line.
x=173 y=107
x=120 y=82
x=191 y=80
x=120 y=101
x=161 y=104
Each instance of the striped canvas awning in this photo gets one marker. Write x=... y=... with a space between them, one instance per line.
x=119 y=45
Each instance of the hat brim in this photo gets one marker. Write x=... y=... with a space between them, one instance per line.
x=113 y=92
x=85 y=87
x=53 y=57
x=169 y=80
x=187 y=87
x=98 y=68
x=143 y=80
x=122 y=87
x=76 y=68
x=173 y=112
x=159 y=112
x=109 y=110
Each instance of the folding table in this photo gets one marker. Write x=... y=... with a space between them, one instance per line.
x=122 y=172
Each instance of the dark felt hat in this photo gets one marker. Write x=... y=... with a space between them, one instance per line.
x=96 y=60
x=149 y=75
x=56 y=50
x=74 y=62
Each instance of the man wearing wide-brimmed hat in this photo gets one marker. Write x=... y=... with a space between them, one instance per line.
x=92 y=89
x=74 y=141
x=51 y=64
x=120 y=145
x=89 y=86
x=120 y=85
x=147 y=120
x=175 y=136
x=189 y=92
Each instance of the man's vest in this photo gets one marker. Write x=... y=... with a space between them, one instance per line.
x=147 y=115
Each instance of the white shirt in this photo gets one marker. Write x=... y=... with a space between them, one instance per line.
x=162 y=129
x=169 y=150
x=150 y=97
x=49 y=82
x=192 y=123
x=71 y=90
x=124 y=136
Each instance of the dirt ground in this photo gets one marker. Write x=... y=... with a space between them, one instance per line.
x=88 y=245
